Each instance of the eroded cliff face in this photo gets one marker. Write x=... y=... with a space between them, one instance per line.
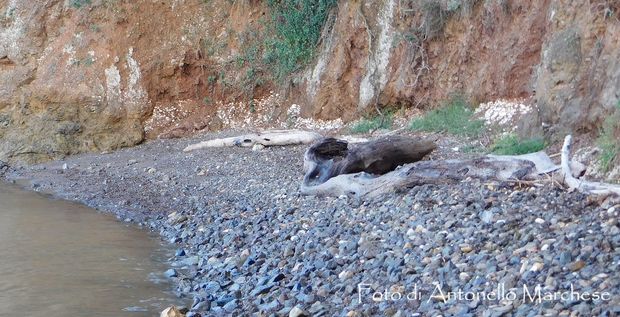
x=81 y=75
x=577 y=83
x=65 y=88
x=381 y=52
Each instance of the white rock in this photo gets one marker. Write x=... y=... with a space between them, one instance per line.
x=420 y=229
x=297 y=312
x=345 y=275
x=539 y=221
x=464 y=277
x=486 y=216
x=171 y=311
x=524 y=266
x=537 y=267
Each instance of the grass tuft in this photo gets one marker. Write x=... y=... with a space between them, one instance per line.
x=608 y=142
x=454 y=118
x=371 y=124
x=510 y=144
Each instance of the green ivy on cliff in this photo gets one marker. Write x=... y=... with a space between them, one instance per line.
x=296 y=27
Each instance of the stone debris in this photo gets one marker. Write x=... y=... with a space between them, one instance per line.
x=504 y=113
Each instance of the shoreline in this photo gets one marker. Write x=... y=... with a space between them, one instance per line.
x=248 y=242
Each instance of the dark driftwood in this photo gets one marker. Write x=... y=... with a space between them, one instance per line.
x=533 y=168
x=331 y=157
x=370 y=169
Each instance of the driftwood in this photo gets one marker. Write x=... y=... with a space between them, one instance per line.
x=586 y=187
x=267 y=138
x=324 y=176
x=331 y=157
x=425 y=172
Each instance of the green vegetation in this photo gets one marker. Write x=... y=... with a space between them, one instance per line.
x=284 y=44
x=252 y=106
x=79 y=3
x=473 y=149
x=510 y=144
x=296 y=26
x=371 y=124
x=608 y=142
x=210 y=47
x=88 y=61
x=454 y=118
x=271 y=51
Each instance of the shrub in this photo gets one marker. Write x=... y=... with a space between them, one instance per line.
x=297 y=26
x=454 y=118
x=510 y=144
x=371 y=124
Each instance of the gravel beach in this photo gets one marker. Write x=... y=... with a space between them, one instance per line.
x=250 y=245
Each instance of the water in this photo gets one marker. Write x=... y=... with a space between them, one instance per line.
x=59 y=258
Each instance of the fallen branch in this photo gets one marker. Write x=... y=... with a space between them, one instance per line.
x=267 y=138
x=586 y=187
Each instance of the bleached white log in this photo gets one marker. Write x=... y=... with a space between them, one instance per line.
x=541 y=160
x=593 y=188
x=267 y=138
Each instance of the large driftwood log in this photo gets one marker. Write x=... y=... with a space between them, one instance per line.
x=331 y=157
x=425 y=172
x=267 y=138
x=530 y=167
x=332 y=169
x=593 y=188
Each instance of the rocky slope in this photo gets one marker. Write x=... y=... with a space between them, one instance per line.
x=95 y=75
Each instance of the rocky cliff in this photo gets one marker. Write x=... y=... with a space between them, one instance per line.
x=95 y=75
